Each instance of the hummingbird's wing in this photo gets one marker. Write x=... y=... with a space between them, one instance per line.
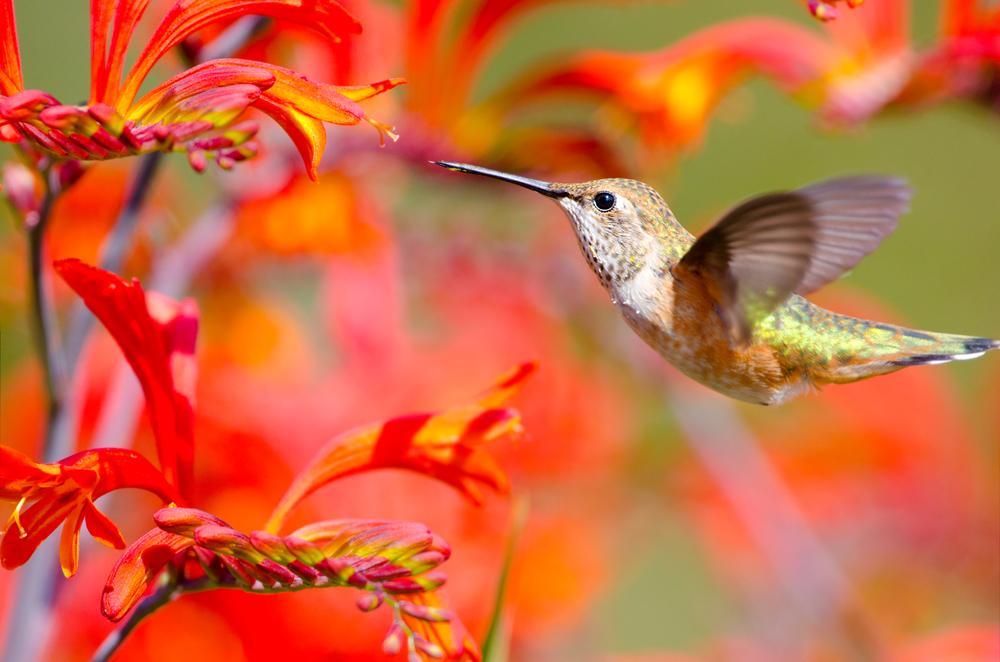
x=774 y=245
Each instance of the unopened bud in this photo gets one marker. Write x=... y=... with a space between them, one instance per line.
x=22 y=187
x=428 y=648
x=425 y=613
x=224 y=540
x=271 y=546
x=197 y=160
x=183 y=521
x=371 y=601
x=823 y=11
x=304 y=550
x=393 y=641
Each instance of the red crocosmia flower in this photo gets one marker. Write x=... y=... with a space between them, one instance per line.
x=157 y=337
x=444 y=446
x=672 y=92
x=192 y=112
x=966 y=62
x=669 y=95
x=65 y=491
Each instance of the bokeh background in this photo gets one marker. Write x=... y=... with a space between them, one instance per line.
x=665 y=522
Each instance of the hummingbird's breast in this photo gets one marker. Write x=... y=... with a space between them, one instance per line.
x=681 y=323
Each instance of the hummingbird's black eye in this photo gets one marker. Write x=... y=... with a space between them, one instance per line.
x=605 y=201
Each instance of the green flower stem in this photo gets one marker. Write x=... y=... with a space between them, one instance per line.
x=43 y=318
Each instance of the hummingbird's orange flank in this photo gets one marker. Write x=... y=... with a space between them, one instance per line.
x=724 y=308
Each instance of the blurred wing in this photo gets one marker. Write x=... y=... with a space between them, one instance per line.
x=769 y=247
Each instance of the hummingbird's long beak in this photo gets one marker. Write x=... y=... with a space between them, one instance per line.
x=536 y=185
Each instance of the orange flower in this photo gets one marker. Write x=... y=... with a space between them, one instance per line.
x=65 y=491
x=192 y=112
x=443 y=446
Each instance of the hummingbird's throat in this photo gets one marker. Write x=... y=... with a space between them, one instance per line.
x=614 y=256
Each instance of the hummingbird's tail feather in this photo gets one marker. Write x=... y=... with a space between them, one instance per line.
x=949 y=348
x=889 y=348
x=867 y=349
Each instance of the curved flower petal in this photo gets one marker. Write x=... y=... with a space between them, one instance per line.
x=66 y=490
x=137 y=568
x=149 y=347
x=327 y=17
x=10 y=58
x=443 y=446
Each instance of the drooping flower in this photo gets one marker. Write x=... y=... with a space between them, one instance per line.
x=193 y=112
x=444 y=446
x=157 y=337
x=65 y=492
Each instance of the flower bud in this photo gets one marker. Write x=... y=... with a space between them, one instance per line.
x=425 y=613
x=371 y=601
x=227 y=541
x=22 y=187
x=183 y=521
x=271 y=546
x=428 y=648
x=393 y=641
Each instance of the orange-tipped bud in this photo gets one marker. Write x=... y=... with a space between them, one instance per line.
x=184 y=521
x=271 y=546
x=371 y=601
x=425 y=613
x=227 y=541
x=393 y=641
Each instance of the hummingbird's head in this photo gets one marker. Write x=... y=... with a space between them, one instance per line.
x=621 y=224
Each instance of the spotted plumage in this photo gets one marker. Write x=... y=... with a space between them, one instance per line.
x=725 y=309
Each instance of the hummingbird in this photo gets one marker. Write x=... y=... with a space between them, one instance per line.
x=726 y=308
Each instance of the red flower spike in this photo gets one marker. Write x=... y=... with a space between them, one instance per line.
x=443 y=446
x=372 y=555
x=65 y=491
x=451 y=636
x=137 y=568
x=159 y=350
